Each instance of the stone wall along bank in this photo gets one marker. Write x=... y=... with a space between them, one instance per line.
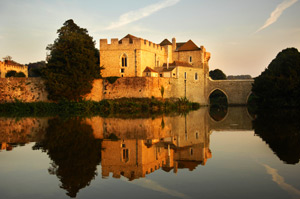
x=23 y=89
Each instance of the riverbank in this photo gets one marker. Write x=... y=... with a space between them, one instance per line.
x=104 y=108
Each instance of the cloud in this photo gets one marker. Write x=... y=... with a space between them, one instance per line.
x=281 y=183
x=277 y=13
x=149 y=184
x=136 y=15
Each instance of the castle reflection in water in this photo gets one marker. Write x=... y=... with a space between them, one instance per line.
x=135 y=147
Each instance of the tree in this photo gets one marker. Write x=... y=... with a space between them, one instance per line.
x=20 y=74
x=279 y=84
x=217 y=74
x=7 y=58
x=72 y=63
x=74 y=151
x=35 y=69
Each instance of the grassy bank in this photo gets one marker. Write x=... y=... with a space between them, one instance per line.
x=138 y=107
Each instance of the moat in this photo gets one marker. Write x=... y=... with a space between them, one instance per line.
x=204 y=154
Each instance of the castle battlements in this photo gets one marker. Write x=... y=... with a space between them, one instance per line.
x=128 y=43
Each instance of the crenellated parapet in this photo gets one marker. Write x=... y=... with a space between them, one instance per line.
x=127 y=43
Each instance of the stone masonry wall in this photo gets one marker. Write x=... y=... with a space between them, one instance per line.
x=23 y=89
x=33 y=89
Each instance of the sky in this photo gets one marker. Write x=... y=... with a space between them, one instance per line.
x=242 y=36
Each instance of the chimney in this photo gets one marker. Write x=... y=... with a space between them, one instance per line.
x=168 y=62
x=174 y=44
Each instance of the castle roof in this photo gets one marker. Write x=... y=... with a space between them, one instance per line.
x=148 y=69
x=130 y=37
x=191 y=165
x=165 y=42
x=187 y=46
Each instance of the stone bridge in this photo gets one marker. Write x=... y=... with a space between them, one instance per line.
x=236 y=91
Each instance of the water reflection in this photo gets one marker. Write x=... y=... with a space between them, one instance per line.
x=280 y=129
x=74 y=151
x=134 y=148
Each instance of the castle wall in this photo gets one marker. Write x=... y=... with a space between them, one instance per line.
x=23 y=89
x=195 y=90
x=33 y=89
x=23 y=130
x=184 y=56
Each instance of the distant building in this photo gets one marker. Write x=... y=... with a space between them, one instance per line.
x=137 y=57
x=9 y=65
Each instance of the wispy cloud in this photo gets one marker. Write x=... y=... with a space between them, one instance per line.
x=136 y=15
x=281 y=183
x=149 y=184
x=277 y=13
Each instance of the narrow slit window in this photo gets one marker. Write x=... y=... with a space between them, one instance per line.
x=124 y=61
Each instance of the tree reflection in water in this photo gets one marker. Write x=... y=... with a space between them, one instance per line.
x=280 y=129
x=74 y=151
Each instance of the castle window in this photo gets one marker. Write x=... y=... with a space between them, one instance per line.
x=191 y=151
x=196 y=76
x=122 y=70
x=197 y=135
x=185 y=75
x=191 y=59
x=124 y=60
x=125 y=155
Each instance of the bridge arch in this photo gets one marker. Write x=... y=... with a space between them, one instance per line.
x=214 y=90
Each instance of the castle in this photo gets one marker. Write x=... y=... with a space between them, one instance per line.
x=9 y=65
x=180 y=69
x=137 y=57
x=165 y=70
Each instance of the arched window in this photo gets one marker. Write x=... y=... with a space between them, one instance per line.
x=124 y=60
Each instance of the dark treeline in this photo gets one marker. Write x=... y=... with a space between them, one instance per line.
x=280 y=129
x=279 y=85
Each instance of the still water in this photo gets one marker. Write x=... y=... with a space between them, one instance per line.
x=199 y=155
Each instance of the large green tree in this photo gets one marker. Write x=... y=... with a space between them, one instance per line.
x=217 y=74
x=279 y=84
x=72 y=63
